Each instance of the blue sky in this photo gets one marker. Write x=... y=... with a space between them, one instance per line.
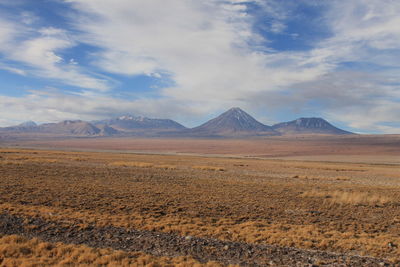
x=190 y=60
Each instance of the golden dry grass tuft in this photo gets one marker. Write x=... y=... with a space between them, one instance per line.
x=18 y=251
x=166 y=167
x=143 y=165
x=209 y=168
x=131 y=164
x=350 y=197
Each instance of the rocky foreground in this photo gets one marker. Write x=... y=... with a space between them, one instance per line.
x=164 y=244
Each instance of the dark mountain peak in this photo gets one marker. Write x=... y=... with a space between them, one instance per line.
x=237 y=115
x=231 y=122
x=308 y=126
x=312 y=122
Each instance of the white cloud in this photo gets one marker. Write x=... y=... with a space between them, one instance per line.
x=7 y=31
x=12 y=69
x=374 y=22
x=368 y=98
x=360 y=27
x=40 y=52
x=37 y=53
x=372 y=118
x=205 y=46
x=211 y=52
x=363 y=101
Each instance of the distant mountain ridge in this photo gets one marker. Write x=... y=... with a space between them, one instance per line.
x=128 y=123
x=25 y=126
x=234 y=123
x=308 y=126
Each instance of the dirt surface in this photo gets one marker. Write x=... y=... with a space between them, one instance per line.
x=356 y=148
x=274 y=207
x=163 y=244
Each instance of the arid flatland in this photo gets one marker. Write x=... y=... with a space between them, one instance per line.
x=165 y=209
x=352 y=148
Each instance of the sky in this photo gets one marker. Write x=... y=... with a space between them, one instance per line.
x=190 y=60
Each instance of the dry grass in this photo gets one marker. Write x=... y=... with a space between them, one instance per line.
x=257 y=201
x=131 y=164
x=350 y=197
x=166 y=167
x=10 y=162
x=209 y=168
x=142 y=165
x=307 y=236
x=19 y=251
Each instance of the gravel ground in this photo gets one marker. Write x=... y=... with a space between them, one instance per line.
x=164 y=244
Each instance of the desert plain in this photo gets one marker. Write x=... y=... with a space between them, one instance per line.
x=276 y=201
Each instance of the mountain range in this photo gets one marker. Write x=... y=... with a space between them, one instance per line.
x=131 y=124
x=233 y=123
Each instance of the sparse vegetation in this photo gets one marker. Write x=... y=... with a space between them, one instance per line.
x=350 y=197
x=329 y=206
x=142 y=165
x=132 y=164
x=19 y=251
x=209 y=168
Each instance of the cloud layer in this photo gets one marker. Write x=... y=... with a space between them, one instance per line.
x=214 y=54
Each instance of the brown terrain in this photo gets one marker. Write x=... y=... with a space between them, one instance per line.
x=371 y=148
x=279 y=201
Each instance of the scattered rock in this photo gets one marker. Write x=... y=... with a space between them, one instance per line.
x=165 y=244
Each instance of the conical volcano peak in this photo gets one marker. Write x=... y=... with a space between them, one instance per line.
x=238 y=119
x=237 y=112
x=235 y=109
x=234 y=120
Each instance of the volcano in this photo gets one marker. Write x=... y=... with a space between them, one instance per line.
x=308 y=126
x=234 y=122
